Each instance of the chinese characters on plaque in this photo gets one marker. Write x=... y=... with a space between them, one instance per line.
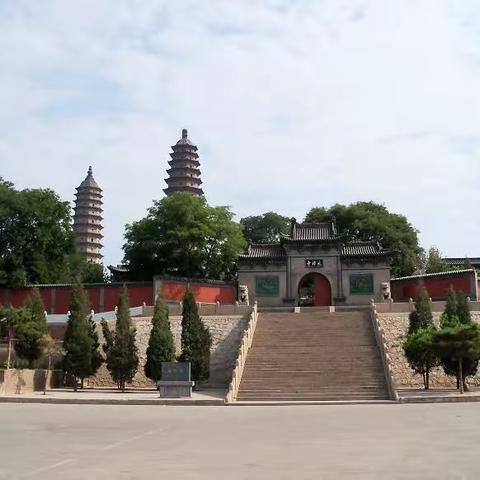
x=313 y=262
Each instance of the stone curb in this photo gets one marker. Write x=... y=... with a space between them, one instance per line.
x=98 y=401
x=455 y=399
x=273 y=403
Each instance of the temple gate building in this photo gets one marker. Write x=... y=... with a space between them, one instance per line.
x=184 y=172
x=87 y=219
x=315 y=266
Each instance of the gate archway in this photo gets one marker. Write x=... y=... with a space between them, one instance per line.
x=314 y=289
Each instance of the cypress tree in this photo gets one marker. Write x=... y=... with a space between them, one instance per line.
x=161 y=345
x=30 y=328
x=120 y=347
x=463 y=310
x=420 y=353
x=449 y=316
x=97 y=358
x=461 y=345
x=77 y=343
x=456 y=314
x=418 y=347
x=196 y=339
x=422 y=316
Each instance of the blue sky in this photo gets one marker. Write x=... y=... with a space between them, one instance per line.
x=292 y=104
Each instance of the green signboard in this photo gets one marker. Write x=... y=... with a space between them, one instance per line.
x=361 y=284
x=267 y=286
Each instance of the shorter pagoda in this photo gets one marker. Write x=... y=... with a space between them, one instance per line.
x=184 y=172
x=87 y=220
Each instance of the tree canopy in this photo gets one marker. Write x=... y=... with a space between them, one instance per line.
x=36 y=239
x=265 y=228
x=434 y=262
x=372 y=221
x=184 y=236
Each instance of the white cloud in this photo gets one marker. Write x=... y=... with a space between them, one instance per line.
x=292 y=104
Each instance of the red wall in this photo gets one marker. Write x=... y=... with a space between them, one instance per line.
x=203 y=292
x=57 y=298
x=403 y=290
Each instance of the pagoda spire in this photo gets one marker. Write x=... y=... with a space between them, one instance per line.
x=87 y=219
x=184 y=173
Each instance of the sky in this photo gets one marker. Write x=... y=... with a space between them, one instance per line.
x=292 y=104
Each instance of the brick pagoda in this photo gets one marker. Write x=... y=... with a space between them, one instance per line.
x=184 y=172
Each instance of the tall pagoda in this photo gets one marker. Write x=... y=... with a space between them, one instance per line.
x=87 y=220
x=184 y=172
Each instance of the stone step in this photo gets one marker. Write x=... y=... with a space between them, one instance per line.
x=313 y=356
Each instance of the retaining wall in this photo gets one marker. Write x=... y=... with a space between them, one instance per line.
x=395 y=327
x=226 y=332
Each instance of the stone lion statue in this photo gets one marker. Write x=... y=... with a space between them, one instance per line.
x=243 y=294
x=386 y=294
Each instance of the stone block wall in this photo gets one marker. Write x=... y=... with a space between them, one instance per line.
x=226 y=332
x=17 y=381
x=395 y=327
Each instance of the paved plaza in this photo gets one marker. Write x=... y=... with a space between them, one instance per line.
x=297 y=442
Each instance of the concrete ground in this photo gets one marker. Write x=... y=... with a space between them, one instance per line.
x=416 y=441
x=114 y=396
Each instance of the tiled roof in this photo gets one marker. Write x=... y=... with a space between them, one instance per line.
x=450 y=273
x=265 y=251
x=89 y=181
x=356 y=249
x=462 y=261
x=312 y=231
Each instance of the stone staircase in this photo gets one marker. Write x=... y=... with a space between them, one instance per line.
x=313 y=356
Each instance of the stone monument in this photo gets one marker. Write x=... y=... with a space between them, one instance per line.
x=176 y=380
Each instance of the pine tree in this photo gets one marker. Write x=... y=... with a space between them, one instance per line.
x=456 y=314
x=418 y=344
x=161 y=345
x=422 y=316
x=461 y=345
x=30 y=327
x=196 y=339
x=120 y=347
x=421 y=355
x=77 y=343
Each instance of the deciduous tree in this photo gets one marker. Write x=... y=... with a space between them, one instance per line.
x=37 y=240
x=30 y=325
x=184 y=236
x=265 y=228
x=371 y=221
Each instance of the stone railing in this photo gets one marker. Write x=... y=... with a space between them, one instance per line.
x=402 y=307
x=386 y=360
x=245 y=345
x=204 y=309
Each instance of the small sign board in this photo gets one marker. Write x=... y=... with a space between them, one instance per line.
x=314 y=262
x=176 y=371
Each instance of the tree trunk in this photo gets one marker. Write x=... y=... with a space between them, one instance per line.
x=458 y=381
x=75 y=384
x=427 y=376
x=81 y=383
x=460 y=374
